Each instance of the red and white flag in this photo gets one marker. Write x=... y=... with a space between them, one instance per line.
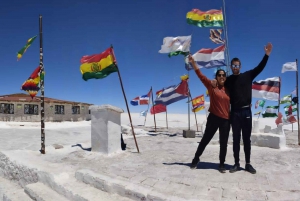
x=266 y=89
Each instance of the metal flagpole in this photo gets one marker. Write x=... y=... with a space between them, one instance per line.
x=226 y=40
x=167 y=118
x=126 y=102
x=297 y=102
x=279 y=95
x=194 y=111
x=153 y=110
x=189 y=103
x=43 y=151
x=147 y=108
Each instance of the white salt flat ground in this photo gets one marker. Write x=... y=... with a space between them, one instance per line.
x=162 y=165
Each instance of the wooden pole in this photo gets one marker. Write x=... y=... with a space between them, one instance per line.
x=167 y=118
x=125 y=101
x=147 y=108
x=297 y=102
x=43 y=151
x=226 y=40
x=279 y=95
x=195 y=112
x=153 y=111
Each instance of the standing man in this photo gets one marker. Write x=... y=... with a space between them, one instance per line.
x=240 y=93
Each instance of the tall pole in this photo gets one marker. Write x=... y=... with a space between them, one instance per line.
x=194 y=111
x=279 y=95
x=43 y=151
x=148 y=107
x=297 y=102
x=226 y=40
x=189 y=102
x=125 y=101
x=167 y=118
x=153 y=110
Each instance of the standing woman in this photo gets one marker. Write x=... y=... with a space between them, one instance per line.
x=218 y=117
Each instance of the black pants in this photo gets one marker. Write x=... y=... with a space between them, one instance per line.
x=241 y=121
x=213 y=124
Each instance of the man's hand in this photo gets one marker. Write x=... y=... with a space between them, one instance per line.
x=191 y=59
x=268 y=48
x=213 y=83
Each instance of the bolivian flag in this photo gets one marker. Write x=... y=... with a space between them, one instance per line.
x=98 y=66
x=198 y=103
x=23 y=50
x=211 y=18
x=31 y=85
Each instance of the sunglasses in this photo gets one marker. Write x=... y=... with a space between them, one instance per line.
x=221 y=75
x=235 y=66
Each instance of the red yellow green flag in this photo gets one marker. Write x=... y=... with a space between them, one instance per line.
x=211 y=18
x=98 y=66
x=198 y=103
x=31 y=85
x=23 y=50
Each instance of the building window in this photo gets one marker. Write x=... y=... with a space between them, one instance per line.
x=7 y=108
x=75 y=109
x=31 y=109
x=59 y=109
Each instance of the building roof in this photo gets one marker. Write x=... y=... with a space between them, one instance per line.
x=21 y=97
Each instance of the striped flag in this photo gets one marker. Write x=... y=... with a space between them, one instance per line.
x=289 y=109
x=260 y=103
x=215 y=36
x=198 y=103
x=286 y=99
x=173 y=94
x=270 y=111
x=267 y=89
x=141 y=100
x=158 y=109
x=176 y=45
x=257 y=113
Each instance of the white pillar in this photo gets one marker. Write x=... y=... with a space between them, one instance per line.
x=255 y=128
x=106 y=128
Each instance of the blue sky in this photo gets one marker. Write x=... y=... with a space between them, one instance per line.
x=72 y=29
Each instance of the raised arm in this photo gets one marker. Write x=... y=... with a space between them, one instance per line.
x=202 y=77
x=258 y=69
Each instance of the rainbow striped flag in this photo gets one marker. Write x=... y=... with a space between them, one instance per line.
x=98 y=66
x=211 y=18
x=23 y=50
x=31 y=85
x=198 y=103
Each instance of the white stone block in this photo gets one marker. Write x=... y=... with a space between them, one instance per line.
x=106 y=129
x=268 y=140
x=255 y=128
x=267 y=129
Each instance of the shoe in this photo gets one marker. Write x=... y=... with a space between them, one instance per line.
x=222 y=168
x=249 y=168
x=194 y=163
x=235 y=168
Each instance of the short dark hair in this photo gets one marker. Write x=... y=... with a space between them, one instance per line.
x=219 y=71
x=236 y=59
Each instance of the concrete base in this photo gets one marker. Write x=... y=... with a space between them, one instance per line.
x=189 y=133
x=268 y=140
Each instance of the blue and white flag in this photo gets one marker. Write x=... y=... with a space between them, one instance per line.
x=144 y=113
x=141 y=100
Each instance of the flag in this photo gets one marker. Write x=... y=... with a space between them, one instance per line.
x=270 y=111
x=289 y=66
x=286 y=99
x=208 y=58
x=184 y=77
x=23 y=50
x=278 y=119
x=266 y=89
x=290 y=119
x=260 y=103
x=215 y=36
x=257 y=113
x=211 y=18
x=176 y=45
x=198 y=103
x=158 y=108
x=289 y=109
x=294 y=92
x=141 y=100
x=98 y=66
x=31 y=85
x=173 y=94
x=295 y=99
x=143 y=113
x=207 y=94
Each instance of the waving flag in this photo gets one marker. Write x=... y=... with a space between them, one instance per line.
x=143 y=113
x=208 y=58
x=23 y=50
x=141 y=100
x=270 y=111
x=98 y=66
x=266 y=89
x=211 y=18
x=158 y=109
x=173 y=94
x=31 y=85
x=286 y=99
x=176 y=45
x=260 y=103
x=198 y=103
x=289 y=66
x=215 y=36
x=289 y=109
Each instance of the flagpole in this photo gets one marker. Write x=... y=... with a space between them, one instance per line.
x=279 y=95
x=125 y=101
x=226 y=41
x=291 y=105
x=153 y=109
x=297 y=102
x=167 y=118
x=189 y=102
x=194 y=111
x=147 y=109
x=43 y=151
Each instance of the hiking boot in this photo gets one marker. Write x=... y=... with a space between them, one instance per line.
x=235 y=168
x=222 y=168
x=194 y=163
x=249 y=168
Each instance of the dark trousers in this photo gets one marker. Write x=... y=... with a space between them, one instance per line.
x=241 y=121
x=213 y=124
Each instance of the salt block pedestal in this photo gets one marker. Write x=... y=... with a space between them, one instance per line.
x=106 y=129
x=189 y=133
